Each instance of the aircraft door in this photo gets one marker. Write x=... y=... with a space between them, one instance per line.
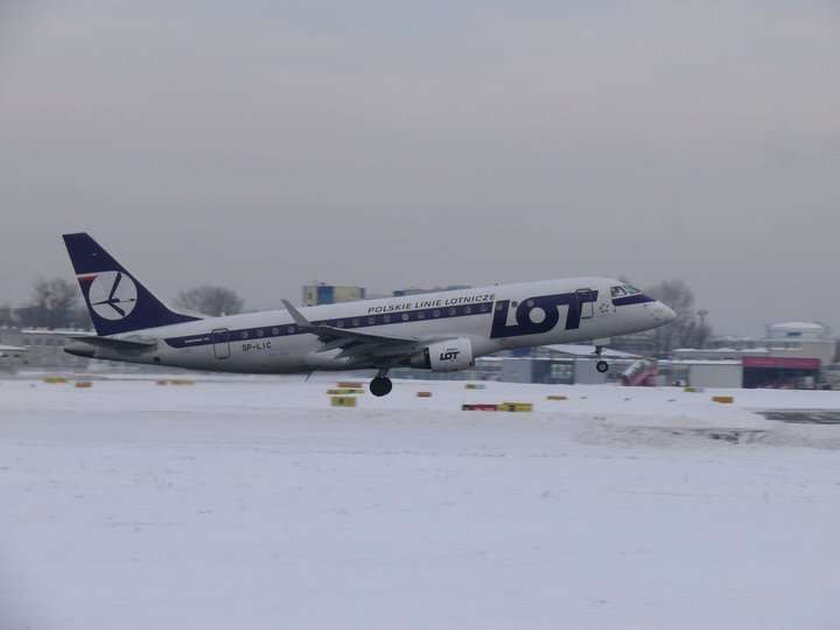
x=221 y=343
x=586 y=301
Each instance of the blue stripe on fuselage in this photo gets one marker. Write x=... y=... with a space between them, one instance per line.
x=360 y=321
x=639 y=298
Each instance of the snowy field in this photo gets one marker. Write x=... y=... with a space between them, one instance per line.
x=251 y=503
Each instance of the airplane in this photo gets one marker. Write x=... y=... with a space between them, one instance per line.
x=443 y=332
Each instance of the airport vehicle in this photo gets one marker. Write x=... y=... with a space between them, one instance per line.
x=442 y=331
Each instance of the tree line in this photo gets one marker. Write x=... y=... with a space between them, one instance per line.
x=689 y=330
x=57 y=303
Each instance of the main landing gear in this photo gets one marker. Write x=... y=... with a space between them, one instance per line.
x=381 y=385
x=602 y=366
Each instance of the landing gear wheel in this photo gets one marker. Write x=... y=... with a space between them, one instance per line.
x=381 y=386
x=602 y=366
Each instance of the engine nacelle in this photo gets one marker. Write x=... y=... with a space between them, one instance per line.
x=445 y=356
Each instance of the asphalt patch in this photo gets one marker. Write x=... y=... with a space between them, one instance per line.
x=803 y=416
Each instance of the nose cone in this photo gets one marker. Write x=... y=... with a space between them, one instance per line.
x=665 y=313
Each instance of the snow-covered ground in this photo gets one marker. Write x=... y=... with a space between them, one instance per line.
x=251 y=503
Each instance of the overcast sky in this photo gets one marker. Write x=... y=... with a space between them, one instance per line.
x=263 y=144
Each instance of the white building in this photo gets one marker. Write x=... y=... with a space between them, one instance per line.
x=792 y=354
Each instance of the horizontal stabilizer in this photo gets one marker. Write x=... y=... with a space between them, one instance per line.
x=114 y=344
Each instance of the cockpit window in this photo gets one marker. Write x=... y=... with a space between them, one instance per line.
x=631 y=290
x=618 y=292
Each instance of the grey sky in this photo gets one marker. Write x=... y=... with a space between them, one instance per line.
x=264 y=144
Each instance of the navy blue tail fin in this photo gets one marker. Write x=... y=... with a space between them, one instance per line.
x=116 y=300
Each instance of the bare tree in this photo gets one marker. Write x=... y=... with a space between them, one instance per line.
x=689 y=330
x=210 y=300
x=685 y=330
x=7 y=316
x=704 y=330
x=53 y=304
x=81 y=318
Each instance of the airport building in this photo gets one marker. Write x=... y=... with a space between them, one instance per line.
x=417 y=291
x=790 y=355
x=43 y=351
x=315 y=294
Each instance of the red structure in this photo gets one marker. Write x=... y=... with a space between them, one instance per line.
x=779 y=372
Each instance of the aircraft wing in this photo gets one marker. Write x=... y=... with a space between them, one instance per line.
x=58 y=332
x=351 y=342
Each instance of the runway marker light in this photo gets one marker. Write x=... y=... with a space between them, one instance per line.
x=343 y=401
x=516 y=406
x=479 y=407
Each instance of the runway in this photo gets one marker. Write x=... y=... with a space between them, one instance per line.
x=253 y=503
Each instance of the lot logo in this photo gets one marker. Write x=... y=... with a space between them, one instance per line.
x=539 y=314
x=112 y=295
x=449 y=355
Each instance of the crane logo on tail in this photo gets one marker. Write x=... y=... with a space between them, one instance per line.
x=112 y=294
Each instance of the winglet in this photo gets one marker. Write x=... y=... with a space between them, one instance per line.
x=300 y=320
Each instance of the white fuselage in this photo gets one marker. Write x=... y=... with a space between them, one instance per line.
x=492 y=318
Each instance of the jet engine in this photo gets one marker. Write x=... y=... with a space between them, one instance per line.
x=445 y=356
